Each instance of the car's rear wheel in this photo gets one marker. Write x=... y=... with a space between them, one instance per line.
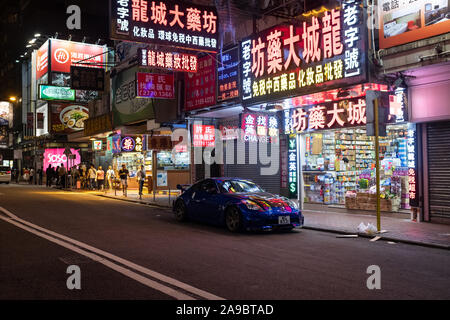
x=180 y=211
x=233 y=220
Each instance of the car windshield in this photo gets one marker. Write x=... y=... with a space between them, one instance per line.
x=235 y=186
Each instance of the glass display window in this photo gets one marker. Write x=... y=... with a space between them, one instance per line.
x=335 y=162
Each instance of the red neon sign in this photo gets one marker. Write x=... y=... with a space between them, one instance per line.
x=204 y=136
x=168 y=60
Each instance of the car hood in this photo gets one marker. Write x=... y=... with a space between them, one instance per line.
x=263 y=198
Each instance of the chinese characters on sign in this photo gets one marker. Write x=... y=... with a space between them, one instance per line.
x=338 y=114
x=152 y=85
x=168 y=60
x=228 y=75
x=133 y=143
x=229 y=132
x=47 y=92
x=203 y=136
x=165 y=22
x=200 y=86
x=412 y=169
x=259 y=127
x=292 y=166
x=326 y=50
x=68 y=53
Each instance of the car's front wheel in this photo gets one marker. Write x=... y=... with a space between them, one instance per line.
x=180 y=211
x=233 y=219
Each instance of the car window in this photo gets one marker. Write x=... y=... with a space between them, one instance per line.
x=208 y=184
x=234 y=186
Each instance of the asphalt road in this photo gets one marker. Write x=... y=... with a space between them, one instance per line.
x=200 y=261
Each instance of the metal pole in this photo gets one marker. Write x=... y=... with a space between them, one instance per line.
x=377 y=163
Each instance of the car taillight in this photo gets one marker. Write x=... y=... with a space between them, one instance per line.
x=8 y=172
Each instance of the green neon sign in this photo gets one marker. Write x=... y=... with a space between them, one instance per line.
x=47 y=92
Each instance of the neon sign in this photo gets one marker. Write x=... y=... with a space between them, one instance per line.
x=204 y=136
x=292 y=166
x=322 y=53
x=412 y=169
x=168 y=60
x=259 y=127
x=338 y=114
x=228 y=75
x=151 y=85
x=165 y=22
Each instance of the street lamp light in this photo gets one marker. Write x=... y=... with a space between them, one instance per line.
x=12 y=99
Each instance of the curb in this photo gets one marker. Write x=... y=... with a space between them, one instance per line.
x=135 y=201
x=363 y=235
x=329 y=230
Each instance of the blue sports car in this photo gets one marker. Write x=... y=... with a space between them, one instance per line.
x=239 y=204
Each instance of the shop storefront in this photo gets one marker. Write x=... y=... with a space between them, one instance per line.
x=332 y=159
x=165 y=167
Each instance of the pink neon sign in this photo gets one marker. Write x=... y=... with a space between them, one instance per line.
x=56 y=157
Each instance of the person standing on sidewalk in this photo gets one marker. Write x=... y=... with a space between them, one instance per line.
x=123 y=174
x=141 y=180
x=110 y=175
x=31 y=175
x=40 y=173
x=100 y=178
x=92 y=174
x=62 y=176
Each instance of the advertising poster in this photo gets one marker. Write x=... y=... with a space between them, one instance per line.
x=200 y=89
x=42 y=60
x=125 y=104
x=4 y=138
x=158 y=86
x=404 y=21
x=6 y=113
x=68 y=117
x=55 y=157
x=161 y=178
x=67 y=53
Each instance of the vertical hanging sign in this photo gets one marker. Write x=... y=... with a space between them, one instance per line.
x=412 y=165
x=292 y=166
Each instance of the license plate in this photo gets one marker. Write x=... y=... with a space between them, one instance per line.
x=284 y=220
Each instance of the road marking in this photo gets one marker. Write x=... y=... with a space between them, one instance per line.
x=97 y=256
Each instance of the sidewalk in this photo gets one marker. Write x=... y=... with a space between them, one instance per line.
x=399 y=227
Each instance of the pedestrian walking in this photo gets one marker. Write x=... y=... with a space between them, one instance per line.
x=26 y=175
x=141 y=180
x=110 y=176
x=92 y=175
x=123 y=174
x=100 y=178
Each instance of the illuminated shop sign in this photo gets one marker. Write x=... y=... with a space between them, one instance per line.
x=338 y=114
x=259 y=127
x=200 y=87
x=397 y=105
x=292 y=166
x=228 y=75
x=229 y=132
x=203 y=136
x=412 y=166
x=179 y=24
x=329 y=115
x=168 y=60
x=97 y=145
x=47 y=92
x=152 y=85
x=133 y=144
x=324 y=52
